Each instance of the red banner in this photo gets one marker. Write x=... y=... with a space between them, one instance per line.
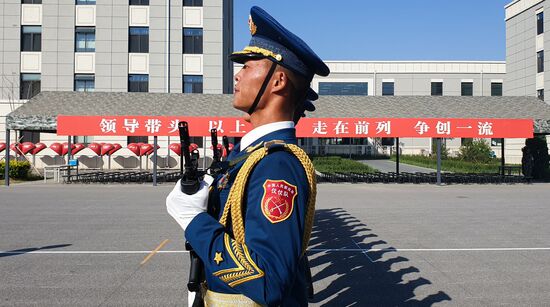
x=307 y=127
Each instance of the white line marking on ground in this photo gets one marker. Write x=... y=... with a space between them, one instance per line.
x=364 y=251
x=342 y=250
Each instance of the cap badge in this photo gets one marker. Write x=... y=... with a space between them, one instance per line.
x=252 y=25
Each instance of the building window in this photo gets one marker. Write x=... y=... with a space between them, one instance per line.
x=192 y=84
x=83 y=139
x=85 y=39
x=344 y=88
x=137 y=139
x=540 y=61
x=192 y=2
x=31 y=38
x=29 y=136
x=467 y=89
x=139 y=2
x=387 y=88
x=31 y=1
x=198 y=140
x=84 y=83
x=139 y=40
x=496 y=142
x=540 y=23
x=540 y=94
x=496 y=89
x=30 y=85
x=437 y=88
x=464 y=141
x=138 y=83
x=85 y=2
x=192 y=41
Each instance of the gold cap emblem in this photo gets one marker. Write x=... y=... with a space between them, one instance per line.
x=251 y=26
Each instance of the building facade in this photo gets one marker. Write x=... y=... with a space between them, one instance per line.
x=112 y=46
x=407 y=78
x=182 y=46
x=526 y=49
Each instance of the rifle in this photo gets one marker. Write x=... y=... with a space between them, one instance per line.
x=190 y=184
x=214 y=136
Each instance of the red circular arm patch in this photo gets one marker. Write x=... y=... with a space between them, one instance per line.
x=278 y=200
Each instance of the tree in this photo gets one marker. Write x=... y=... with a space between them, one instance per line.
x=476 y=150
x=539 y=149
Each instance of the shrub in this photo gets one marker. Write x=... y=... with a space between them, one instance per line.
x=18 y=169
x=444 y=150
x=330 y=164
x=539 y=149
x=476 y=150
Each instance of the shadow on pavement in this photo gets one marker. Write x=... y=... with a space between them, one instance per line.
x=357 y=277
x=30 y=249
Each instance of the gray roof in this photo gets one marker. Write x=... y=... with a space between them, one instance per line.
x=41 y=111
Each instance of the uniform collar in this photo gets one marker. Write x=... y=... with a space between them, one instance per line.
x=263 y=130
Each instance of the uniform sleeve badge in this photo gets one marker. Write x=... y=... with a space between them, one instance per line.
x=278 y=200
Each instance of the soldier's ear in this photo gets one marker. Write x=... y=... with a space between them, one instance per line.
x=280 y=81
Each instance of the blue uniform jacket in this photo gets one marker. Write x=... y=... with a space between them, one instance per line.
x=269 y=267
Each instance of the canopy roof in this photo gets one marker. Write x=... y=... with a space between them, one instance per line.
x=40 y=113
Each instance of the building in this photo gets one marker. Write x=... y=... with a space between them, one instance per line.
x=525 y=49
x=406 y=78
x=112 y=46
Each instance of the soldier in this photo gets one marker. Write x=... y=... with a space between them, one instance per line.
x=253 y=247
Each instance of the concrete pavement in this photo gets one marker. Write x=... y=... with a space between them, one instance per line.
x=372 y=245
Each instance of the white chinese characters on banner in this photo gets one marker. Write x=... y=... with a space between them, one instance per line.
x=341 y=128
x=173 y=126
x=238 y=127
x=107 y=125
x=320 y=127
x=216 y=124
x=443 y=127
x=153 y=125
x=384 y=126
x=421 y=127
x=131 y=124
x=485 y=128
x=362 y=127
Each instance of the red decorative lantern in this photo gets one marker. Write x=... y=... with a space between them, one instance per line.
x=65 y=149
x=77 y=147
x=193 y=147
x=150 y=151
x=176 y=148
x=26 y=147
x=105 y=148
x=38 y=147
x=134 y=148
x=2 y=146
x=16 y=147
x=144 y=149
x=95 y=147
x=116 y=147
x=57 y=148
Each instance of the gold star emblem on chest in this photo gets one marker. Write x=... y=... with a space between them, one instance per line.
x=218 y=258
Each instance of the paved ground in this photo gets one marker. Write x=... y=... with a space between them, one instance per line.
x=373 y=245
x=387 y=166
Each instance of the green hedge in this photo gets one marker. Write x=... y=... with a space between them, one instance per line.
x=331 y=164
x=455 y=165
x=18 y=169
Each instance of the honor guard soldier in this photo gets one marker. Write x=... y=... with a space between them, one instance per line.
x=253 y=238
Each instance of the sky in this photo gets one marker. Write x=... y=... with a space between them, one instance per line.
x=394 y=30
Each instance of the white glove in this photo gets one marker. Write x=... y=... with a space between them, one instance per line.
x=183 y=208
